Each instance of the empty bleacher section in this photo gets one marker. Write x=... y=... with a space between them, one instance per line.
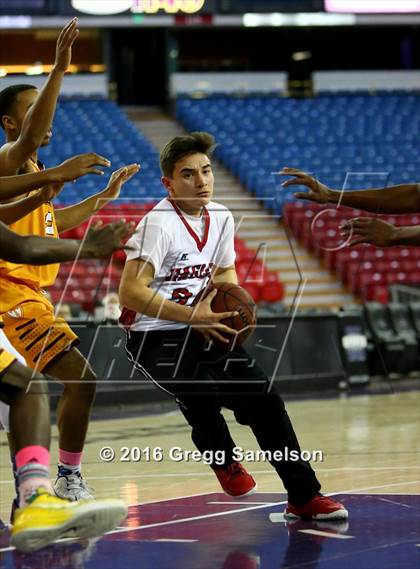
x=348 y=141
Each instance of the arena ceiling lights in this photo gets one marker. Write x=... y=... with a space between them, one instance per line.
x=103 y=8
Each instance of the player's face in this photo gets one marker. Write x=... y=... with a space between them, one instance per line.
x=23 y=103
x=192 y=182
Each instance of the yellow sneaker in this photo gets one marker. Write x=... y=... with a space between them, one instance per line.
x=47 y=518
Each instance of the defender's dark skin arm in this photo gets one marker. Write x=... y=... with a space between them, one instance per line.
x=404 y=198
x=40 y=116
x=100 y=242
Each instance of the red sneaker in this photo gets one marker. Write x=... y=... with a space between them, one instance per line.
x=319 y=508
x=235 y=480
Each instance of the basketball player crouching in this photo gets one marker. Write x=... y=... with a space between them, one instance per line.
x=183 y=242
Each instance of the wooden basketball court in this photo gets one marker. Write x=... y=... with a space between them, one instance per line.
x=369 y=443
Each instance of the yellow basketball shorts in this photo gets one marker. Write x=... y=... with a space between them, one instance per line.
x=31 y=325
x=6 y=361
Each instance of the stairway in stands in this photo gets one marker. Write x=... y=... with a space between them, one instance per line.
x=257 y=227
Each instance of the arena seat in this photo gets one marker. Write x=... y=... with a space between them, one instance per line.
x=388 y=341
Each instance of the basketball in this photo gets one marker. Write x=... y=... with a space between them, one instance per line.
x=232 y=297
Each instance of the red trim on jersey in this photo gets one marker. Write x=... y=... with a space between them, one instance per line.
x=127 y=317
x=201 y=243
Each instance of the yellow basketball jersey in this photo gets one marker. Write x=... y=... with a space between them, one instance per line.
x=39 y=222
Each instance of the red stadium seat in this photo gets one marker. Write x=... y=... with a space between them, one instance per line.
x=253 y=289
x=272 y=291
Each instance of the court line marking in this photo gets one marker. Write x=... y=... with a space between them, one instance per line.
x=218 y=514
x=397 y=503
x=396 y=494
x=240 y=510
x=195 y=518
x=374 y=487
x=326 y=534
x=236 y=503
x=178 y=540
x=210 y=474
x=169 y=499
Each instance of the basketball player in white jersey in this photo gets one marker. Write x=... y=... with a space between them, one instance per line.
x=183 y=243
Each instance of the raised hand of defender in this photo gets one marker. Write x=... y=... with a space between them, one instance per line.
x=209 y=323
x=318 y=192
x=80 y=165
x=103 y=240
x=64 y=44
x=118 y=179
x=48 y=193
x=369 y=230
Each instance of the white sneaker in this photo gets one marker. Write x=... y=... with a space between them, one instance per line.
x=71 y=486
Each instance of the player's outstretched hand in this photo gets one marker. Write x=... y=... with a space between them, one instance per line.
x=209 y=323
x=368 y=230
x=318 y=192
x=103 y=240
x=50 y=192
x=80 y=165
x=118 y=179
x=64 y=44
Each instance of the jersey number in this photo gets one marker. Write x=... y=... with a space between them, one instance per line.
x=181 y=295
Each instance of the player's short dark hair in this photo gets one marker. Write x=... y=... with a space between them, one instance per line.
x=182 y=146
x=8 y=97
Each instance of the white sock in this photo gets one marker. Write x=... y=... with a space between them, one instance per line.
x=74 y=468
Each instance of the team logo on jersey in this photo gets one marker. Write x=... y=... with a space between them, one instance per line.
x=16 y=313
x=181 y=295
x=49 y=225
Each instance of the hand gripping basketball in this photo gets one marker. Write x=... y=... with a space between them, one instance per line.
x=235 y=308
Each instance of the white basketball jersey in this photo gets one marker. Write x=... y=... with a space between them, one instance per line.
x=184 y=251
